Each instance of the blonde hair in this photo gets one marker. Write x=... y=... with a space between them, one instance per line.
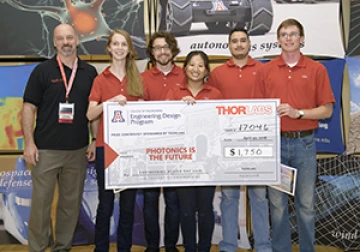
x=133 y=77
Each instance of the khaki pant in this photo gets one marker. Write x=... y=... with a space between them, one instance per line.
x=68 y=168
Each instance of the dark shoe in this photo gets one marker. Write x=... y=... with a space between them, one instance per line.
x=152 y=250
x=171 y=249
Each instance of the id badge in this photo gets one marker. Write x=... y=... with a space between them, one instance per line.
x=66 y=112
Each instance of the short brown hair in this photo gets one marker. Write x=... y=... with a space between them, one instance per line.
x=290 y=22
x=170 y=40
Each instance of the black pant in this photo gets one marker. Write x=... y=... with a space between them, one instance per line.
x=105 y=211
x=192 y=199
x=151 y=217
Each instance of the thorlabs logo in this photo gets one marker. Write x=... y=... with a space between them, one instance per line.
x=118 y=117
x=244 y=110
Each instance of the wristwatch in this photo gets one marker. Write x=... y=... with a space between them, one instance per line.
x=301 y=114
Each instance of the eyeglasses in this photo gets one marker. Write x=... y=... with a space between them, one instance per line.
x=287 y=35
x=159 y=48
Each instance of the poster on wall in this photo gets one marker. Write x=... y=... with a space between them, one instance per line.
x=92 y=20
x=353 y=145
x=204 y=25
x=337 y=204
x=353 y=48
x=328 y=135
x=13 y=81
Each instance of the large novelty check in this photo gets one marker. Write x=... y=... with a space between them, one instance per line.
x=219 y=142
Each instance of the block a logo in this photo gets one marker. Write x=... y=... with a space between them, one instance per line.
x=118 y=117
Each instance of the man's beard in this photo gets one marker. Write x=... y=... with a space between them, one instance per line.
x=164 y=63
x=67 y=51
x=240 y=56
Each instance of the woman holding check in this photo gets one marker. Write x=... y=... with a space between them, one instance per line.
x=120 y=82
x=196 y=198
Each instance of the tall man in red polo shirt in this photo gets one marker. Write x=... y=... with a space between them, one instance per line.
x=235 y=80
x=305 y=94
x=161 y=50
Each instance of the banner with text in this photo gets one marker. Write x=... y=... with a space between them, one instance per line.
x=205 y=25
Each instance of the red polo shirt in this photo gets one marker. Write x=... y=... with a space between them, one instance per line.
x=207 y=93
x=235 y=82
x=157 y=84
x=106 y=86
x=304 y=86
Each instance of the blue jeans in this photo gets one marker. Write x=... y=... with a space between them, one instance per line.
x=229 y=218
x=197 y=199
x=299 y=153
x=151 y=217
x=105 y=211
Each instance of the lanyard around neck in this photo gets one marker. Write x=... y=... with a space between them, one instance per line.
x=68 y=85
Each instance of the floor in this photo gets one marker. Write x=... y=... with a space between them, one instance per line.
x=90 y=248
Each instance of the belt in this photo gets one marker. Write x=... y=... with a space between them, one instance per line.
x=296 y=134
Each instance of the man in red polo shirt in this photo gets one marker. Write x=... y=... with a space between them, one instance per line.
x=305 y=94
x=235 y=80
x=158 y=80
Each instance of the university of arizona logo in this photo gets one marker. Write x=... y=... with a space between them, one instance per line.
x=118 y=116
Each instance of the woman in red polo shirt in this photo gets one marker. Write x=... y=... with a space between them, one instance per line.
x=120 y=82
x=196 y=198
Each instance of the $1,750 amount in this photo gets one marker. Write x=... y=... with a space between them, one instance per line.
x=248 y=152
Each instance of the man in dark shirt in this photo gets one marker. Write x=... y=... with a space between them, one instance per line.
x=57 y=92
